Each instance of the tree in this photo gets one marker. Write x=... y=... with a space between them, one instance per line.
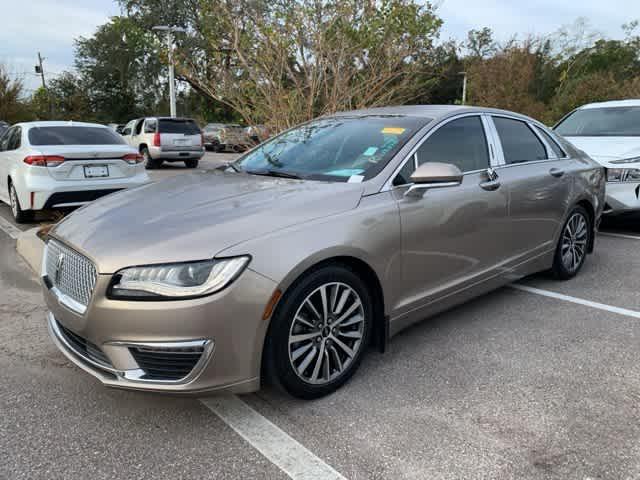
x=286 y=62
x=480 y=43
x=12 y=107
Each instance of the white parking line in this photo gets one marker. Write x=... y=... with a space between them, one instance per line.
x=618 y=235
x=9 y=229
x=579 y=301
x=291 y=457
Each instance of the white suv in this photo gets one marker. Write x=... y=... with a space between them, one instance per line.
x=165 y=139
x=63 y=164
x=609 y=132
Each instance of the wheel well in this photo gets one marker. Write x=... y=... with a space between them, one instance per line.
x=368 y=275
x=592 y=216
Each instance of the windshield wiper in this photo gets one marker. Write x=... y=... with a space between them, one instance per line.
x=274 y=173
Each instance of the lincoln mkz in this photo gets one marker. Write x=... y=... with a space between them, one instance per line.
x=330 y=238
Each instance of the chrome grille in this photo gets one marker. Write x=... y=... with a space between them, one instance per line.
x=72 y=274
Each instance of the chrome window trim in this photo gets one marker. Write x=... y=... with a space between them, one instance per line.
x=389 y=186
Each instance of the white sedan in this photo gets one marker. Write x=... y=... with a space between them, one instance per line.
x=47 y=165
x=609 y=132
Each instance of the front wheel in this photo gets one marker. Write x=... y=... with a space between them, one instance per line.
x=19 y=215
x=573 y=245
x=193 y=163
x=320 y=332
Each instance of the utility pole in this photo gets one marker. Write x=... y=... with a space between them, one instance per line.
x=464 y=87
x=172 y=82
x=40 y=70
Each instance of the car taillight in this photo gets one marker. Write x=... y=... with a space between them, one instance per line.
x=156 y=139
x=132 y=158
x=44 y=160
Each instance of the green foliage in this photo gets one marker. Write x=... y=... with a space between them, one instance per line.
x=12 y=107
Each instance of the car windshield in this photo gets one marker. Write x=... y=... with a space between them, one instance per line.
x=74 y=135
x=601 y=122
x=186 y=127
x=335 y=149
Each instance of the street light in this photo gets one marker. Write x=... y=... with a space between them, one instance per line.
x=172 y=86
x=464 y=87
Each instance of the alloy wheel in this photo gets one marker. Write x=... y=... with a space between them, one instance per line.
x=574 y=241
x=327 y=333
x=13 y=199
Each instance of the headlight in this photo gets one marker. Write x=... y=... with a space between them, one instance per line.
x=623 y=175
x=177 y=280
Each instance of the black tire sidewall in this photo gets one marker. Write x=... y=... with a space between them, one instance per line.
x=20 y=216
x=559 y=270
x=279 y=368
x=191 y=163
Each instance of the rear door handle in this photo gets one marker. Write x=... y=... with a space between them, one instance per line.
x=556 y=172
x=490 y=185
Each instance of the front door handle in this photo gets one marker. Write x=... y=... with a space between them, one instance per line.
x=556 y=172
x=490 y=185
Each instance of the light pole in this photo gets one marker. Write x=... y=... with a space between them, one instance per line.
x=172 y=83
x=464 y=87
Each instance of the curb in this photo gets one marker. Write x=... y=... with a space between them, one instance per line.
x=30 y=247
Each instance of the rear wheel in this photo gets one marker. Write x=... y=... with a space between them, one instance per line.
x=193 y=163
x=319 y=333
x=573 y=245
x=19 y=215
x=149 y=163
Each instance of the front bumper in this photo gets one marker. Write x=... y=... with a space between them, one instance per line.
x=622 y=197
x=226 y=328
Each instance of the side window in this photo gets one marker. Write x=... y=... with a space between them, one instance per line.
x=4 y=139
x=461 y=142
x=150 y=126
x=519 y=143
x=403 y=176
x=15 y=139
x=557 y=151
x=138 y=128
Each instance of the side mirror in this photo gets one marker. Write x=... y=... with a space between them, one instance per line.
x=434 y=175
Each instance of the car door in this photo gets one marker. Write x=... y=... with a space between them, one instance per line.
x=450 y=236
x=4 y=163
x=538 y=182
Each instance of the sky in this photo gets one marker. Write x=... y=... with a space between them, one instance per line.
x=50 y=26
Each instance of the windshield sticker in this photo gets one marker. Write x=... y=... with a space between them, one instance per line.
x=346 y=172
x=393 y=130
x=370 y=152
x=355 y=179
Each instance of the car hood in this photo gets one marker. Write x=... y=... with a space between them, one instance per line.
x=195 y=216
x=606 y=149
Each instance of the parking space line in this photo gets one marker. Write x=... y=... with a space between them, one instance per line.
x=9 y=229
x=618 y=235
x=579 y=301
x=286 y=453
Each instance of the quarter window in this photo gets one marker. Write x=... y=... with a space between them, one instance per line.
x=555 y=148
x=150 y=126
x=461 y=142
x=519 y=143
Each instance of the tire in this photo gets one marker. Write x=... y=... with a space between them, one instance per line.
x=149 y=163
x=301 y=368
x=19 y=215
x=573 y=245
x=193 y=163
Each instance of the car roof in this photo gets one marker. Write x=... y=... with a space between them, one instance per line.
x=612 y=104
x=60 y=123
x=434 y=112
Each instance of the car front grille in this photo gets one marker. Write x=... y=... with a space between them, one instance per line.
x=71 y=273
x=85 y=347
x=167 y=363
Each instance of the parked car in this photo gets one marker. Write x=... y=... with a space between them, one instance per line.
x=116 y=127
x=63 y=164
x=257 y=133
x=221 y=137
x=610 y=133
x=332 y=236
x=3 y=126
x=165 y=139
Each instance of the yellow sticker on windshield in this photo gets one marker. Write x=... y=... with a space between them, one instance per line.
x=393 y=130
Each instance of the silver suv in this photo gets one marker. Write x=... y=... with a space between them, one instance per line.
x=165 y=139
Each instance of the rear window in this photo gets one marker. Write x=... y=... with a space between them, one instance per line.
x=74 y=135
x=186 y=127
